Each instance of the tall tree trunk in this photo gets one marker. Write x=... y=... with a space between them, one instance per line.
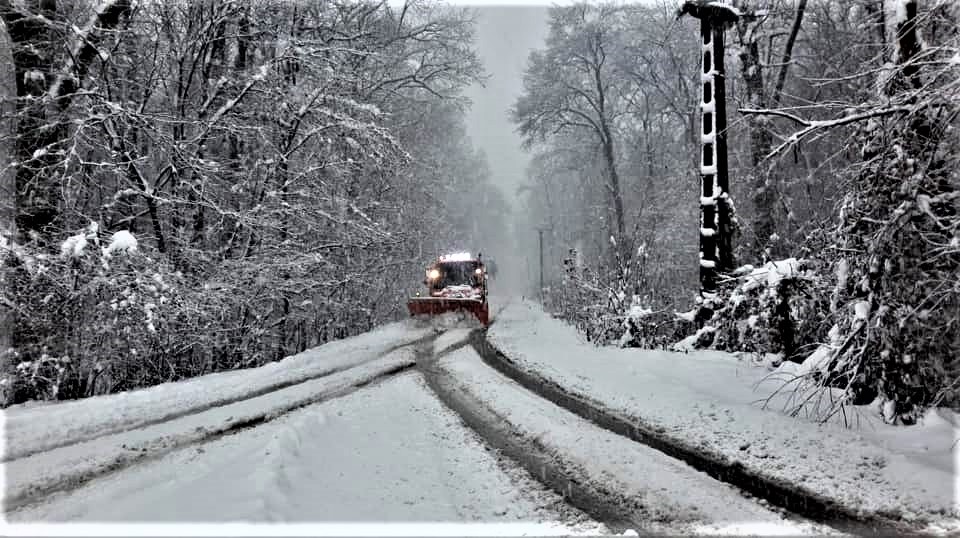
x=32 y=40
x=40 y=76
x=613 y=179
x=8 y=179
x=788 y=51
x=609 y=156
x=761 y=142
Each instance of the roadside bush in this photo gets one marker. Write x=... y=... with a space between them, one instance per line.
x=105 y=315
x=644 y=328
x=95 y=319
x=776 y=308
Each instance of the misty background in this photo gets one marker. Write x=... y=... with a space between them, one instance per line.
x=505 y=37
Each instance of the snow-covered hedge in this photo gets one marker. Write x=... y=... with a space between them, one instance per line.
x=898 y=288
x=102 y=314
x=897 y=249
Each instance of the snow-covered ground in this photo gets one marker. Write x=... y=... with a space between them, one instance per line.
x=450 y=339
x=30 y=429
x=672 y=496
x=711 y=401
x=386 y=453
x=33 y=476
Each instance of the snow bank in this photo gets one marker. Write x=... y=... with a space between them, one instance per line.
x=711 y=402
x=402 y=528
x=670 y=495
x=33 y=429
x=41 y=473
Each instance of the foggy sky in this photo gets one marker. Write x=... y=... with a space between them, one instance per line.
x=505 y=37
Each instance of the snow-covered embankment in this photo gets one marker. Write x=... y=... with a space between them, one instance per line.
x=709 y=404
x=650 y=490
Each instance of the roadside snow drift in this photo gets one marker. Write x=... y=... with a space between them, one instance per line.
x=34 y=429
x=386 y=453
x=710 y=402
x=33 y=476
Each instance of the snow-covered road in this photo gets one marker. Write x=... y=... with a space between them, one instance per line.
x=389 y=452
x=61 y=468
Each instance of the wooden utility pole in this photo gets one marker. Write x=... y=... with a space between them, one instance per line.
x=716 y=233
x=540 y=234
x=540 y=230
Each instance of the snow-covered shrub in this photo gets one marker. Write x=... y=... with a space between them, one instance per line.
x=776 y=308
x=278 y=305
x=102 y=314
x=587 y=301
x=649 y=329
x=897 y=299
x=608 y=310
x=604 y=306
x=93 y=319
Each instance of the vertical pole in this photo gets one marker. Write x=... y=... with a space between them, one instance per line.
x=716 y=254
x=724 y=213
x=540 y=233
x=708 y=161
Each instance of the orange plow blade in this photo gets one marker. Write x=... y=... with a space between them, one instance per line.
x=434 y=306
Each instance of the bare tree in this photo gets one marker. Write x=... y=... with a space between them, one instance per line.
x=753 y=25
x=572 y=86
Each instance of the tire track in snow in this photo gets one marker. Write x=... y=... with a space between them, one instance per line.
x=30 y=479
x=393 y=453
x=780 y=494
x=615 y=511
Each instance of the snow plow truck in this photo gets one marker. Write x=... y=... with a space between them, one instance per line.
x=455 y=283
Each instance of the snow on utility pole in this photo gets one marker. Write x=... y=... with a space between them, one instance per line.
x=716 y=242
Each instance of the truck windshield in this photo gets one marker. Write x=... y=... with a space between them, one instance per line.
x=458 y=274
